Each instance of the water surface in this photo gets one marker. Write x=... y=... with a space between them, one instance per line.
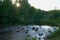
x=18 y=32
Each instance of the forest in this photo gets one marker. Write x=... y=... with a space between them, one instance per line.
x=26 y=14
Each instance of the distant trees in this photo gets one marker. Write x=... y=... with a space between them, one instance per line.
x=5 y=8
x=25 y=14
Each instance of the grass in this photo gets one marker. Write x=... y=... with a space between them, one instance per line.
x=55 y=35
x=28 y=38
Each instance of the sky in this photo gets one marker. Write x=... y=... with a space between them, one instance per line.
x=45 y=4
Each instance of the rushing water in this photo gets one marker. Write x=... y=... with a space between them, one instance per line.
x=19 y=32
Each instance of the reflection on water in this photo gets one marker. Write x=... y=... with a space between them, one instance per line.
x=12 y=33
x=18 y=32
x=13 y=36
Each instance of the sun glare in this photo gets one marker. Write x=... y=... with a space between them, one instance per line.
x=17 y=4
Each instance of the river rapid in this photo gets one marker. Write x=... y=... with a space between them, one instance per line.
x=19 y=32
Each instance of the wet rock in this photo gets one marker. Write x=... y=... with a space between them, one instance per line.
x=33 y=28
x=18 y=31
x=36 y=29
x=40 y=34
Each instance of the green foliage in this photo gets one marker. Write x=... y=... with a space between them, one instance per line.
x=25 y=14
x=33 y=38
x=55 y=35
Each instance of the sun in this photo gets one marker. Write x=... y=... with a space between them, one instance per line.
x=17 y=4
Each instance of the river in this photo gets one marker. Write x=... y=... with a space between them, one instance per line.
x=19 y=32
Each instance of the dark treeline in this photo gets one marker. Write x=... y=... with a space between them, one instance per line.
x=26 y=14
